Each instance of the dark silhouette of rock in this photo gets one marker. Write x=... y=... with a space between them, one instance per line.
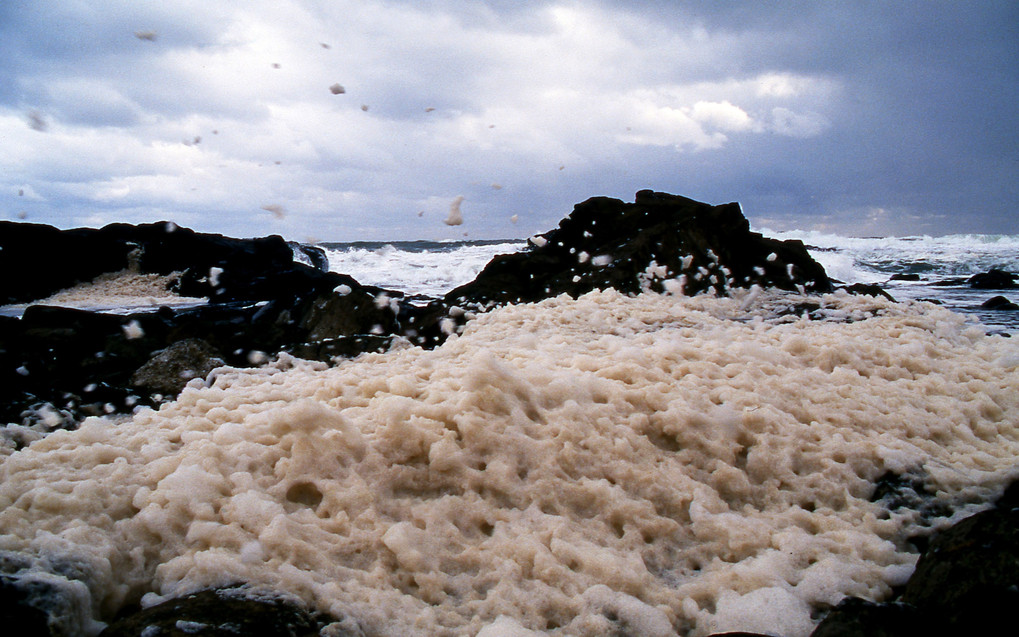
x=660 y=241
x=968 y=576
x=855 y=617
x=905 y=277
x=950 y=282
x=993 y=279
x=220 y=268
x=40 y=598
x=225 y=613
x=870 y=289
x=18 y=613
x=999 y=303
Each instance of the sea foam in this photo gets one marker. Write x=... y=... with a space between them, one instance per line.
x=649 y=465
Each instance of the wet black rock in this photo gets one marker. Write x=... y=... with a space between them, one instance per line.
x=260 y=301
x=905 y=277
x=855 y=617
x=955 y=281
x=993 y=279
x=969 y=574
x=910 y=490
x=999 y=303
x=19 y=611
x=660 y=241
x=227 y=613
x=210 y=265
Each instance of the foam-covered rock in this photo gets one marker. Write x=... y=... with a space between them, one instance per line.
x=173 y=367
x=660 y=242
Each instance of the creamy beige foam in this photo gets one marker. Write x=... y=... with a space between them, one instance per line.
x=125 y=289
x=658 y=465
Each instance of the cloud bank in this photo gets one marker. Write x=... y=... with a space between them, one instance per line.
x=368 y=120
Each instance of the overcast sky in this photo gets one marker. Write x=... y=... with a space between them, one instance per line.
x=337 y=121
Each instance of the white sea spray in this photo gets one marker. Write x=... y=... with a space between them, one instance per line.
x=649 y=464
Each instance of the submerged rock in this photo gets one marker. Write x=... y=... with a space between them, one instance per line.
x=993 y=279
x=661 y=242
x=999 y=303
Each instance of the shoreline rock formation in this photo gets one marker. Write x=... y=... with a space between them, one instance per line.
x=266 y=295
x=661 y=242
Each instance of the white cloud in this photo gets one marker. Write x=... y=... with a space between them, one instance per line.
x=722 y=115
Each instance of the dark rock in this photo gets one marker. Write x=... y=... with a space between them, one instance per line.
x=968 y=576
x=855 y=617
x=993 y=279
x=341 y=347
x=965 y=581
x=213 y=266
x=950 y=282
x=224 y=613
x=905 y=277
x=40 y=602
x=18 y=613
x=607 y=243
x=999 y=303
x=869 y=289
x=171 y=368
x=47 y=259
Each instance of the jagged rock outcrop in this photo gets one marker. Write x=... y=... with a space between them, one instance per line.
x=659 y=242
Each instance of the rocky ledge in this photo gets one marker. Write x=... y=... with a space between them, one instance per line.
x=265 y=295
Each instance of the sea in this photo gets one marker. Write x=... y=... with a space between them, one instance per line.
x=654 y=465
x=431 y=269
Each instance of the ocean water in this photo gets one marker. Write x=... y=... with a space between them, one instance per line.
x=427 y=268
x=431 y=269
x=654 y=465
